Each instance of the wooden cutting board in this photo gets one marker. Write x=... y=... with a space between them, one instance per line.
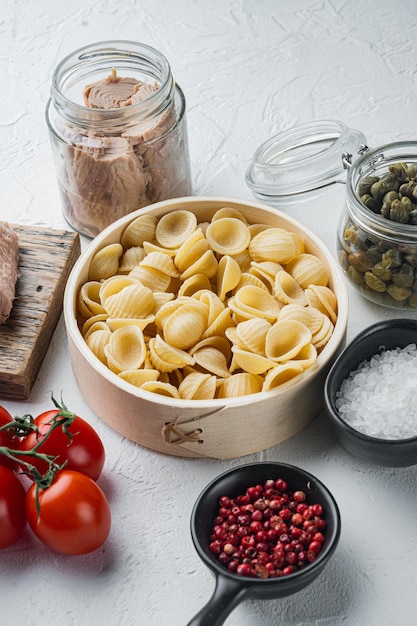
x=46 y=258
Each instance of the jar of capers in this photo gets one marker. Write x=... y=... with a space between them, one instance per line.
x=377 y=235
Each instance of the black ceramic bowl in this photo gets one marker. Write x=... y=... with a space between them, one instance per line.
x=390 y=334
x=232 y=588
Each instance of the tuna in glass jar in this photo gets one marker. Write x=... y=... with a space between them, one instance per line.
x=377 y=234
x=117 y=125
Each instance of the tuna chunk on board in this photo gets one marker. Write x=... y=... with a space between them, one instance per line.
x=9 y=259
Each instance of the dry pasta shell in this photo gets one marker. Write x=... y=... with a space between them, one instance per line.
x=132 y=301
x=139 y=230
x=97 y=342
x=220 y=324
x=322 y=336
x=309 y=316
x=266 y=271
x=257 y=302
x=198 y=386
x=214 y=305
x=323 y=299
x=166 y=358
x=113 y=285
x=126 y=349
x=105 y=262
x=228 y=275
x=131 y=258
x=218 y=342
x=285 y=339
x=184 y=327
x=281 y=374
x=195 y=283
x=287 y=290
x=274 y=244
x=161 y=298
x=243 y=260
x=212 y=360
x=119 y=322
x=168 y=308
x=97 y=325
x=160 y=261
x=101 y=317
x=228 y=235
x=161 y=388
x=250 y=279
x=307 y=356
x=229 y=211
x=255 y=229
x=241 y=384
x=206 y=264
x=251 y=362
x=193 y=247
x=152 y=278
x=89 y=302
x=307 y=269
x=149 y=246
x=233 y=337
x=252 y=334
x=139 y=377
x=174 y=228
x=187 y=259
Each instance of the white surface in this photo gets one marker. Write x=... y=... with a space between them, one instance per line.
x=248 y=70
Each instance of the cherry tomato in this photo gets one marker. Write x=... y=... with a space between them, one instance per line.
x=74 y=515
x=84 y=452
x=12 y=508
x=6 y=439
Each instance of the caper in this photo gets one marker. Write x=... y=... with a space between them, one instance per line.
x=351 y=236
x=400 y=210
x=379 y=189
x=343 y=259
x=374 y=254
x=398 y=293
x=392 y=258
x=365 y=184
x=373 y=282
x=360 y=261
x=409 y=189
x=400 y=170
x=391 y=181
x=382 y=272
x=403 y=276
x=412 y=170
x=411 y=259
x=370 y=202
x=413 y=217
x=412 y=301
x=355 y=276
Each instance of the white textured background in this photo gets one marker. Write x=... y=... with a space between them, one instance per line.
x=248 y=70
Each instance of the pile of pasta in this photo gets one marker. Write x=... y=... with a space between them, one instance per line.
x=206 y=310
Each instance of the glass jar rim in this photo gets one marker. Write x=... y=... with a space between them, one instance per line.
x=89 y=57
x=302 y=159
x=370 y=222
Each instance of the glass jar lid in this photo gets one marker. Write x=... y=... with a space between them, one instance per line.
x=302 y=159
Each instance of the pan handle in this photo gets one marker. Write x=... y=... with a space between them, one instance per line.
x=226 y=596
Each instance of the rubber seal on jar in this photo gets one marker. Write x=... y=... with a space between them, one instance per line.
x=302 y=159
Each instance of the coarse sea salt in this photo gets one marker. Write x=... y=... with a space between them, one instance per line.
x=379 y=398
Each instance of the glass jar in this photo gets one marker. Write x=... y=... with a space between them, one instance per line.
x=377 y=233
x=300 y=162
x=115 y=153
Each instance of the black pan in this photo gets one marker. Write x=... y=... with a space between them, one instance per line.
x=231 y=589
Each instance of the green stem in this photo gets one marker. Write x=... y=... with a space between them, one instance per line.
x=21 y=427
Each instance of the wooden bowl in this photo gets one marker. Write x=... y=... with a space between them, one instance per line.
x=220 y=428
